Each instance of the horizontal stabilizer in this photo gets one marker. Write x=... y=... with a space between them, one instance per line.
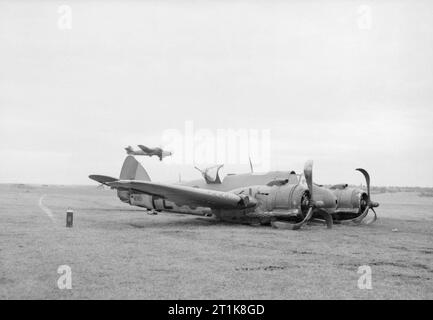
x=102 y=179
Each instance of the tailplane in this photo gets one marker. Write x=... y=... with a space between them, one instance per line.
x=102 y=179
x=131 y=170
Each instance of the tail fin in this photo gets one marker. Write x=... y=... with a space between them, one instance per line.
x=133 y=170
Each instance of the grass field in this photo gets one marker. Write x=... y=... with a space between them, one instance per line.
x=117 y=251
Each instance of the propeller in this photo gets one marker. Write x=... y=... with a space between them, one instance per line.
x=201 y=171
x=208 y=168
x=370 y=204
x=100 y=186
x=206 y=176
x=308 y=173
x=251 y=165
x=312 y=204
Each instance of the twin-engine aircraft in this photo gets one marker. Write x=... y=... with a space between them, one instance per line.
x=276 y=198
x=145 y=151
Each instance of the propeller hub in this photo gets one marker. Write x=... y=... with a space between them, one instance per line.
x=373 y=204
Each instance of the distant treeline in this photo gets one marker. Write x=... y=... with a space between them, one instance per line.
x=422 y=191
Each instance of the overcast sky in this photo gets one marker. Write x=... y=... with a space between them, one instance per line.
x=347 y=83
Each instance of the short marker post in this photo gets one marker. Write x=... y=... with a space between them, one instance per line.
x=69 y=218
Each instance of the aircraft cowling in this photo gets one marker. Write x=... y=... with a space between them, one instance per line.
x=299 y=198
x=295 y=198
x=351 y=198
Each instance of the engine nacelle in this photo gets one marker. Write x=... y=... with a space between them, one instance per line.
x=353 y=200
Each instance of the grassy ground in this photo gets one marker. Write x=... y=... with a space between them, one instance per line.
x=117 y=251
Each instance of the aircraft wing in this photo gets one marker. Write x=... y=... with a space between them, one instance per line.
x=145 y=149
x=184 y=195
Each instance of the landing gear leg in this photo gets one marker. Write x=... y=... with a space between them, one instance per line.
x=328 y=219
